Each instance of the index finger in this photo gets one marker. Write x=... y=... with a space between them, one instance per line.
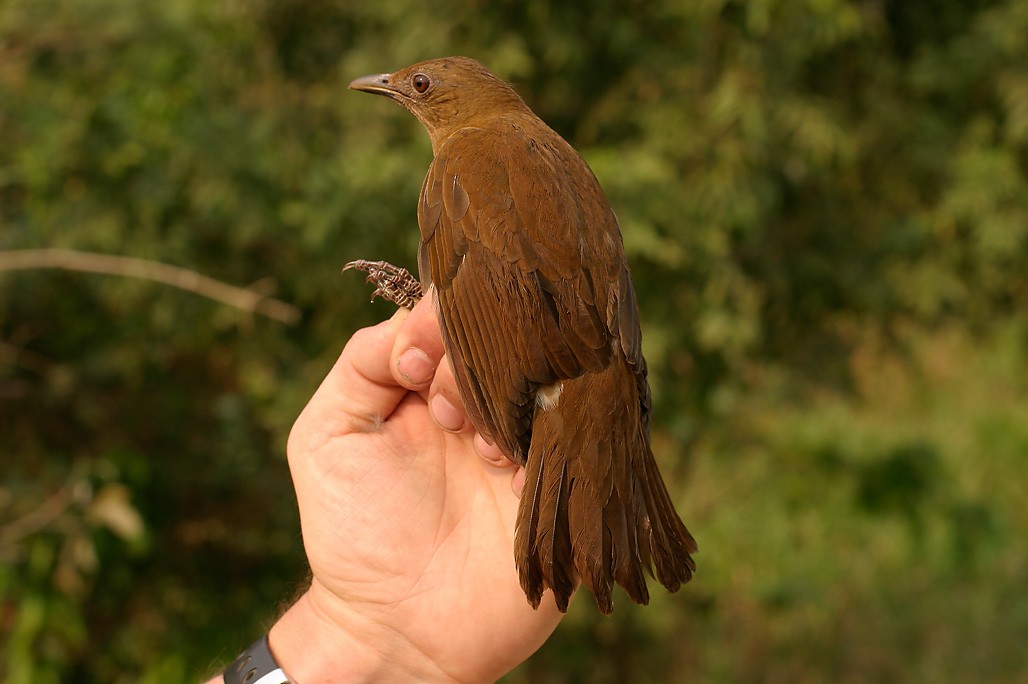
x=418 y=347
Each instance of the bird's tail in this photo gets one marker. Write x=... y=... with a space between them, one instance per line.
x=594 y=506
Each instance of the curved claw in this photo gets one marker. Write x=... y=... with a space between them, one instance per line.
x=392 y=283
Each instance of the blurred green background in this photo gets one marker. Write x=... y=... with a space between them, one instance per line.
x=825 y=204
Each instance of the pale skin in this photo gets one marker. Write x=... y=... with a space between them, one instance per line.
x=408 y=523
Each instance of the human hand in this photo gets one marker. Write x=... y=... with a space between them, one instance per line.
x=408 y=528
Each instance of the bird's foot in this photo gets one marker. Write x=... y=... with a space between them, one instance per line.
x=392 y=283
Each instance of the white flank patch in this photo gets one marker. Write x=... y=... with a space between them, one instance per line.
x=547 y=397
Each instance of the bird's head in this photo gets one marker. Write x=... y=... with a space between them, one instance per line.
x=445 y=94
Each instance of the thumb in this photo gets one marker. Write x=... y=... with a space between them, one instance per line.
x=359 y=392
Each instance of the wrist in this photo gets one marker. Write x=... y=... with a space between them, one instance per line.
x=320 y=640
x=310 y=646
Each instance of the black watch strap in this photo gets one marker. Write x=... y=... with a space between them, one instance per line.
x=255 y=665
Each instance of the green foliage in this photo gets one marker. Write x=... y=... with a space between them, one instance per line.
x=826 y=208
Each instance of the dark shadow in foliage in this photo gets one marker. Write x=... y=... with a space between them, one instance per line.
x=309 y=36
x=901 y=482
x=916 y=24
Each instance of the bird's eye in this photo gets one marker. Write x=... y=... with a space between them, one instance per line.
x=420 y=82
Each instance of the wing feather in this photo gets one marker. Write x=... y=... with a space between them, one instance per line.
x=504 y=230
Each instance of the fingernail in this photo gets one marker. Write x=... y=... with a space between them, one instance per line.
x=517 y=483
x=448 y=416
x=415 y=367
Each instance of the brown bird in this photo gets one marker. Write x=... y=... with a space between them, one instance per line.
x=541 y=326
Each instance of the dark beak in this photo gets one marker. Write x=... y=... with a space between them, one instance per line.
x=379 y=84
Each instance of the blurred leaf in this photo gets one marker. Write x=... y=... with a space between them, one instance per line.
x=112 y=508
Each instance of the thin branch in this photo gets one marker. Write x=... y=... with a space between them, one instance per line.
x=184 y=279
x=40 y=516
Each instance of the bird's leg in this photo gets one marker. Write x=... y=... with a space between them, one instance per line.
x=391 y=283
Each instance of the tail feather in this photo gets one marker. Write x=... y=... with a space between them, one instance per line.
x=591 y=552
x=671 y=545
x=555 y=542
x=542 y=540
x=595 y=507
x=624 y=522
x=530 y=569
